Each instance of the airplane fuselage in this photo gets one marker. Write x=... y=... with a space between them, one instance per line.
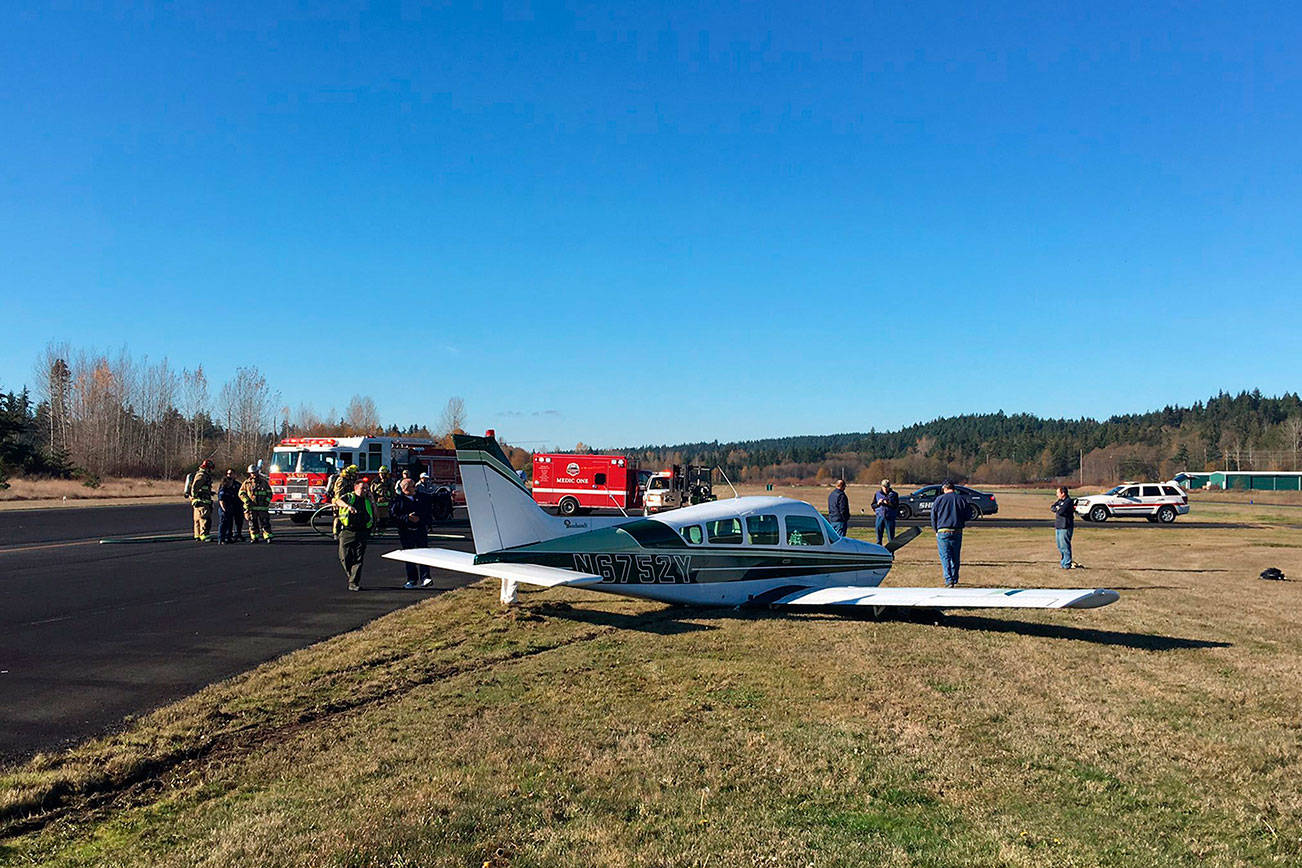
x=747 y=550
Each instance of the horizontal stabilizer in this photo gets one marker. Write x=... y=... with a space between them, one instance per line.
x=464 y=562
x=953 y=598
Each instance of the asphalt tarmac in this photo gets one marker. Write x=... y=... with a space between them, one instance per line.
x=91 y=633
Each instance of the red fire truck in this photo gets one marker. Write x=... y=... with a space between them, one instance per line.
x=302 y=468
x=579 y=483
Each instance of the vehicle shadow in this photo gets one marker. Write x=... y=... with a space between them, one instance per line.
x=1114 y=638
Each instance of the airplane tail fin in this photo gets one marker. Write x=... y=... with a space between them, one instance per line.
x=502 y=511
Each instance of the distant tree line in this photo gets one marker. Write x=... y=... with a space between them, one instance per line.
x=97 y=415
x=1247 y=431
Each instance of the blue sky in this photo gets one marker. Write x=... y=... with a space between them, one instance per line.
x=662 y=222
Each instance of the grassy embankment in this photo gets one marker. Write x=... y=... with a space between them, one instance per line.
x=47 y=493
x=586 y=730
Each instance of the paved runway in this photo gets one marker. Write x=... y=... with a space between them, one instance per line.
x=92 y=633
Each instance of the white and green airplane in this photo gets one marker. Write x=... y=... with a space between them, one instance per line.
x=747 y=551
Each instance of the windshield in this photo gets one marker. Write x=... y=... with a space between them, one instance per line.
x=658 y=483
x=832 y=535
x=1113 y=490
x=289 y=461
x=318 y=462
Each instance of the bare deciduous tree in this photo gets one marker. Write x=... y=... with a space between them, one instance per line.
x=248 y=406
x=194 y=397
x=360 y=415
x=453 y=419
x=1292 y=428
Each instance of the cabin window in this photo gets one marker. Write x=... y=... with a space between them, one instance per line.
x=763 y=529
x=803 y=530
x=693 y=534
x=599 y=479
x=1152 y=491
x=725 y=530
x=374 y=457
x=1132 y=491
x=346 y=458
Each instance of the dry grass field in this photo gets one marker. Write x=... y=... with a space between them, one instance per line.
x=589 y=730
x=47 y=493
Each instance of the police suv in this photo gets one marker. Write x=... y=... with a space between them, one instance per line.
x=1158 y=502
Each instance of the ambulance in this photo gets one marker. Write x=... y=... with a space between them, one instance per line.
x=576 y=484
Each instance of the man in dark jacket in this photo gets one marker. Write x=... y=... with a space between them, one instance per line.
x=948 y=516
x=411 y=511
x=1064 y=523
x=838 y=508
x=886 y=504
x=228 y=503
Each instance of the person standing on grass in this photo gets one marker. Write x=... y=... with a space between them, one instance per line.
x=413 y=514
x=838 y=508
x=356 y=520
x=886 y=504
x=1064 y=522
x=948 y=516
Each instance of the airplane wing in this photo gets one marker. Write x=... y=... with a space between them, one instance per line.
x=464 y=562
x=953 y=598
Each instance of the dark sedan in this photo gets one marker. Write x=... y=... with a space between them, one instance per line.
x=918 y=504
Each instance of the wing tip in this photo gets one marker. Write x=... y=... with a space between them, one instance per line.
x=1094 y=599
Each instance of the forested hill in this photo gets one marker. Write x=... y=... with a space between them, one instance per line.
x=1244 y=430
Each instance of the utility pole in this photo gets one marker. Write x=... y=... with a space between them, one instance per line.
x=1082 y=467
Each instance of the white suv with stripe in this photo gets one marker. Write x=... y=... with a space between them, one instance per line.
x=1158 y=502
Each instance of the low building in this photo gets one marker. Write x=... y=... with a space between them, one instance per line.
x=1242 y=480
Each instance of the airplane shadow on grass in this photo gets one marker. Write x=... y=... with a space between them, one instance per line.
x=664 y=622
x=673 y=621
x=1115 y=638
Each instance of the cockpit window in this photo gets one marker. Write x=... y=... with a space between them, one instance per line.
x=763 y=529
x=803 y=530
x=692 y=533
x=725 y=530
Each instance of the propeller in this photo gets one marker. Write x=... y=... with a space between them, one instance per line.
x=904 y=539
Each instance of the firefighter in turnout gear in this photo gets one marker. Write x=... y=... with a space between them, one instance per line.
x=200 y=494
x=356 y=520
x=342 y=485
x=255 y=494
x=382 y=493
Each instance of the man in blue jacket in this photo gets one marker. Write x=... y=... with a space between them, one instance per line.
x=948 y=516
x=411 y=511
x=838 y=508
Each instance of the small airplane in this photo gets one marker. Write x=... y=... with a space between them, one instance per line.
x=746 y=551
